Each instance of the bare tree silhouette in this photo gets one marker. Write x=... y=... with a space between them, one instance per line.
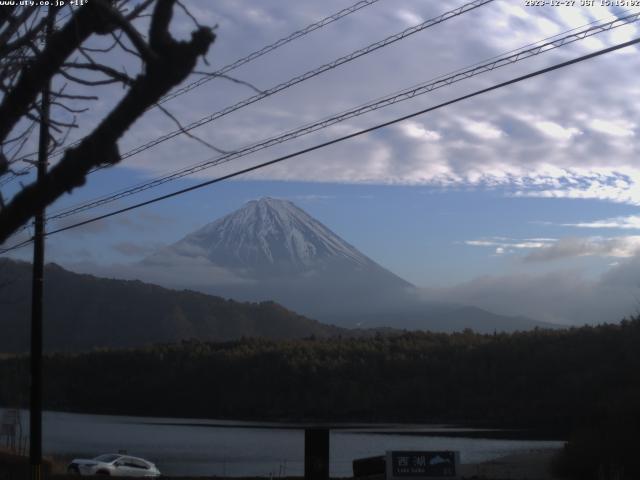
x=70 y=56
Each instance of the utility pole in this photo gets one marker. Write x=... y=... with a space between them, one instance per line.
x=35 y=411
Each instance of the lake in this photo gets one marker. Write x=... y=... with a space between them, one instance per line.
x=231 y=448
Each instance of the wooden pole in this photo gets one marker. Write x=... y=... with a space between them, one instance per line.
x=316 y=454
x=37 y=287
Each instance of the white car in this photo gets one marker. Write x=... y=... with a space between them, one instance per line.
x=114 y=464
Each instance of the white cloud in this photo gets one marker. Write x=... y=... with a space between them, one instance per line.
x=548 y=249
x=556 y=131
x=620 y=186
x=481 y=129
x=631 y=222
x=515 y=10
x=572 y=17
x=616 y=128
x=487 y=141
x=418 y=131
x=516 y=138
x=169 y=271
x=624 y=34
x=409 y=17
x=565 y=296
x=503 y=244
x=621 y=247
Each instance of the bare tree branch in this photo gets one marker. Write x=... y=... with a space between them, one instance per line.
x=4 y=164
x=121 y=44
x=74 y=97
x=108 y=71
x=188 y=13
x=5 y=14
x=99 y=50
x=137 y=11
x=23 y=142
x=146 y=52
x=189 y=134
x=231 y=79
x=14 y=24
x=61 y=44
x=68 y=108
x=171 y=63
x=88 y=83
x=29 y=36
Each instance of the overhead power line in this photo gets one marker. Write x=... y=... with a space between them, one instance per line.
x=407 y=94
x=311 y=74
x=269 y=48
x=227 y=68
x=12 y=176
x=296 y=80
x=343 y=138
x=17 y=246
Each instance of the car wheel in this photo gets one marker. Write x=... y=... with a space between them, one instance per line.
x=73 y=470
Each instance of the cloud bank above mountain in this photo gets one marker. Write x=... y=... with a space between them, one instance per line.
x=568 y=134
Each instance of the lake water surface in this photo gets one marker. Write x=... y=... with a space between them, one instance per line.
x=211 y=447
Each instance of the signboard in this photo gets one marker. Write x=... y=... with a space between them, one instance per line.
x=413 y=465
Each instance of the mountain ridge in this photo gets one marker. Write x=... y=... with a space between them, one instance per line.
x=82 y=312
x=259 y=231
x=274 y=250
x=272 y=238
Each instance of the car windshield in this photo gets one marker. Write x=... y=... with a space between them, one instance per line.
x=107 y=458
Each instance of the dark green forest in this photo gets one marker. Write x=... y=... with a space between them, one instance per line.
x=547 y=379
x=581 y=384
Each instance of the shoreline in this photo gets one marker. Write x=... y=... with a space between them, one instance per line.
x=531 y=465
x=428 y=428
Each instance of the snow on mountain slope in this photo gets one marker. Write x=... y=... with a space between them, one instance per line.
x=270 y=249
x=271 y=236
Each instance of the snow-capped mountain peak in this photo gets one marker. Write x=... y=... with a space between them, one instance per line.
x=269 y=234
x=270 y=249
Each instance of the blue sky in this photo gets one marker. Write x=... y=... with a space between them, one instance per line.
x=534 y=186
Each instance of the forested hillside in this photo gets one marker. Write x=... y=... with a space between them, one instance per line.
x=582 y=383
x=546 y=379
x=83 y=312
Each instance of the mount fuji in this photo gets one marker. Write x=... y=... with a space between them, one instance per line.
x=270 y=237
x=272 y=250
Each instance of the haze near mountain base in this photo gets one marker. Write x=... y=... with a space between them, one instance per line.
x=272 y=250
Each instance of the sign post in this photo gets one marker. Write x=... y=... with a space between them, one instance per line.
x=412 y=465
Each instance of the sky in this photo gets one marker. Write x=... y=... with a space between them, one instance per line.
x=523 y=200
